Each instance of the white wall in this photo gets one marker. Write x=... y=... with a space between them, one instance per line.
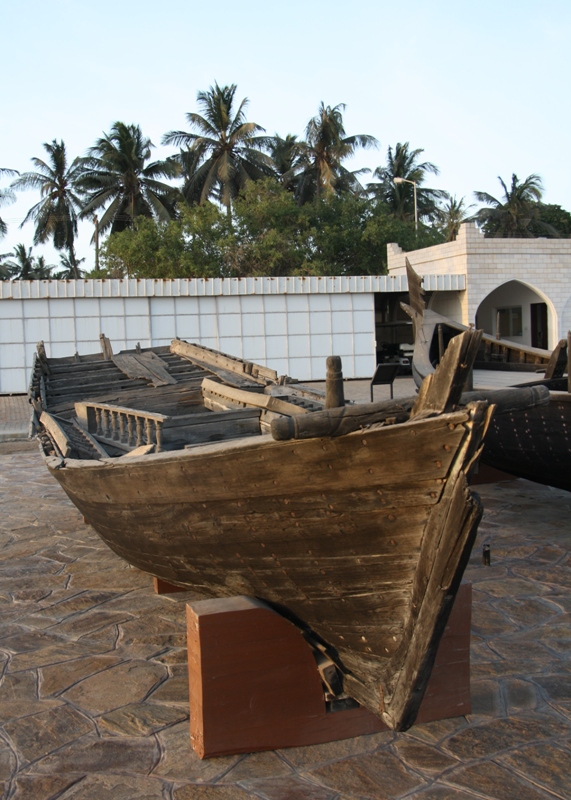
x=293 y=333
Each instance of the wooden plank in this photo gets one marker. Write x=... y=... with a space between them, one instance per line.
x=415 y=290
x=229 y=394
x=210 y=418
x=143 y=450
x=558 y=361
x=144 y=365
x=106 y=347
x=204 y=356
x=57 y=433
x=94 y=443
x=442 y=391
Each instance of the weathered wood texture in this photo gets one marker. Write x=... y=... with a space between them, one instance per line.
x=415 y=290
x=341 y=421
x=245 y=371
x=335 y=536
x=443 y=389
x=254 y=684
x=334 y=396
x=144 y=365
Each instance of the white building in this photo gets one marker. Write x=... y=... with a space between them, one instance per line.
x=522 y=284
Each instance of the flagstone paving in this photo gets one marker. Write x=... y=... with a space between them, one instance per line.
x=93 y=694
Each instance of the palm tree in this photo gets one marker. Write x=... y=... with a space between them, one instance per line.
x=451 y=215
x=520 y=208
x=24 y=266
x=117 y=175
x=6 y=197
x=70 y=267
x=323 y=153
x=55 y=215
x=287 y=157
x=402 y=162
x=223 y=151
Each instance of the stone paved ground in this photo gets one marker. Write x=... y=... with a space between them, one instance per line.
x=14 y=416
x=93 y=692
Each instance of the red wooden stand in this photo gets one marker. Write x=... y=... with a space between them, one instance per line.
x=164 y=587
x=254 y=684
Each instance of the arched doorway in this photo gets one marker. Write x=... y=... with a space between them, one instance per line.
x=520 y=313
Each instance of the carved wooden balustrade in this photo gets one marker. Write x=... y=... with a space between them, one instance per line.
x=123 y=428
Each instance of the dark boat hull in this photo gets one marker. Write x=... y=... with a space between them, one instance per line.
x=534 y=444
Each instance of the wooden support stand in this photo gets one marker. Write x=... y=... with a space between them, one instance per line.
x=164 y=587
x=254 y=684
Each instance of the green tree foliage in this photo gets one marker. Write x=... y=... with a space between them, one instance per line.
x=69 y=267
x=117 y=176
x=384 y=228
x=269 y=234
x=287 y=158
x=22 y=265
x=326 y=147
x=402 y=162
x=55 y=215
x=223 y=151
x=513 y=216
x=7 y=196
x=450 y=215
x=195 y=245
x=556 y=217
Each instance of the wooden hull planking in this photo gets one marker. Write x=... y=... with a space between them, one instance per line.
x=345 y=533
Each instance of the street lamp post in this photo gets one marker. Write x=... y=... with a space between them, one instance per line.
x=404 y=180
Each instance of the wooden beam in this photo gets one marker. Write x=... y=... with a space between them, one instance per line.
x=57 y=433
x=204 y=355
x=218 y=392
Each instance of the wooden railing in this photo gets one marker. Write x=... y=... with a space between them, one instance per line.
x=124 y=428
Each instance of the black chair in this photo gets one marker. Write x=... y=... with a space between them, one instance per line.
x=385 y=375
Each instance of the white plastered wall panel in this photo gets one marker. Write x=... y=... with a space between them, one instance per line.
x=290 y=324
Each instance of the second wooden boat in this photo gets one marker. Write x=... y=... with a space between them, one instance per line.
x=532 y=443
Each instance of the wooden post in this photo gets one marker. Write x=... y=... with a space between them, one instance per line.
x=334 y=397
x=159 y=435
x=254 y=682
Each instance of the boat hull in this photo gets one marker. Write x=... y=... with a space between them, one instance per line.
x=338 y=533
x=534 y=444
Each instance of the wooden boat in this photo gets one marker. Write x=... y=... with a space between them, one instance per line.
x=532 y=443
x=213 y=473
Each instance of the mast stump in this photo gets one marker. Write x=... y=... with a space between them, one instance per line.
x=254 y=683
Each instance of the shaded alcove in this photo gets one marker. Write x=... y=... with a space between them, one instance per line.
x=520 y=313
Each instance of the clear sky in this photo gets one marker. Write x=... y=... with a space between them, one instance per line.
x=482 y=87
